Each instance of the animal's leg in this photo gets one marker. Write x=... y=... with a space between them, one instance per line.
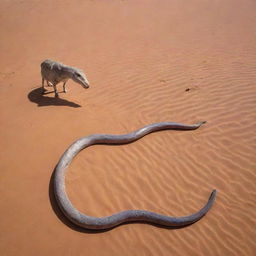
x=43 y=89
x=64 y=87
x=55 y=90
x=49 y=83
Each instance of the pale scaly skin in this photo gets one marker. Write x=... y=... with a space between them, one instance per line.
x=89 y=222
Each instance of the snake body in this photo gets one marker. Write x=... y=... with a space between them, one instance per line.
x=96 y=223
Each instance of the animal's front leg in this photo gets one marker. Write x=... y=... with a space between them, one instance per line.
x=64 y=87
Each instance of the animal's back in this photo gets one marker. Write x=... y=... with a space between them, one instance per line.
x=51 y=70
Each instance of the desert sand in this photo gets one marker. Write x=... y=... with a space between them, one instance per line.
x=147 y=61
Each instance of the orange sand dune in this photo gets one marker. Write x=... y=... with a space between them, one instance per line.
x=147 y=61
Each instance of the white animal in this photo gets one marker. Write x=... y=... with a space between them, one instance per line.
x=54 y=72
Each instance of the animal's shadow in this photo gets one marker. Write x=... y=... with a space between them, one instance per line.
x=42 y=100
x=68 y=223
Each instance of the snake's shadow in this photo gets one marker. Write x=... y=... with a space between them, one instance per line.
x=68 y=223
x=60 y=214
x=42 y=100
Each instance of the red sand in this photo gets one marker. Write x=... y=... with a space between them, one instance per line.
x=140 y=57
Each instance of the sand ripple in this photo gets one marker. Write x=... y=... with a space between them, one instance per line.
x=147 y=61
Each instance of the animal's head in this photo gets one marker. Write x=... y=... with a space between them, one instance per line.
x=79 y=77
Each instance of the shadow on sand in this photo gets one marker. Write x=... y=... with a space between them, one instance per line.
x=68 y=223
x=42 y=100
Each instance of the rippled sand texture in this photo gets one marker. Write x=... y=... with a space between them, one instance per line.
x=147 y=61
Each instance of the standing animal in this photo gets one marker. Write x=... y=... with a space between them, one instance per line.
x=54 y=72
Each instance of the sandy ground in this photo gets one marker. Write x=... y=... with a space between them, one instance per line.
x=147 y=61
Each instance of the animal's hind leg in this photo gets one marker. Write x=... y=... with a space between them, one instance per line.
x=43 y=89
x=55 y=90
x=49 y=83
x=64 y=87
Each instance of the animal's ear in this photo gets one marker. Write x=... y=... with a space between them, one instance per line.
x=58 y=66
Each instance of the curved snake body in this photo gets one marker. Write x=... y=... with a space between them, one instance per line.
x=89 y=222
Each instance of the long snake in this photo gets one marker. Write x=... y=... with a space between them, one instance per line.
x=96 y=223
